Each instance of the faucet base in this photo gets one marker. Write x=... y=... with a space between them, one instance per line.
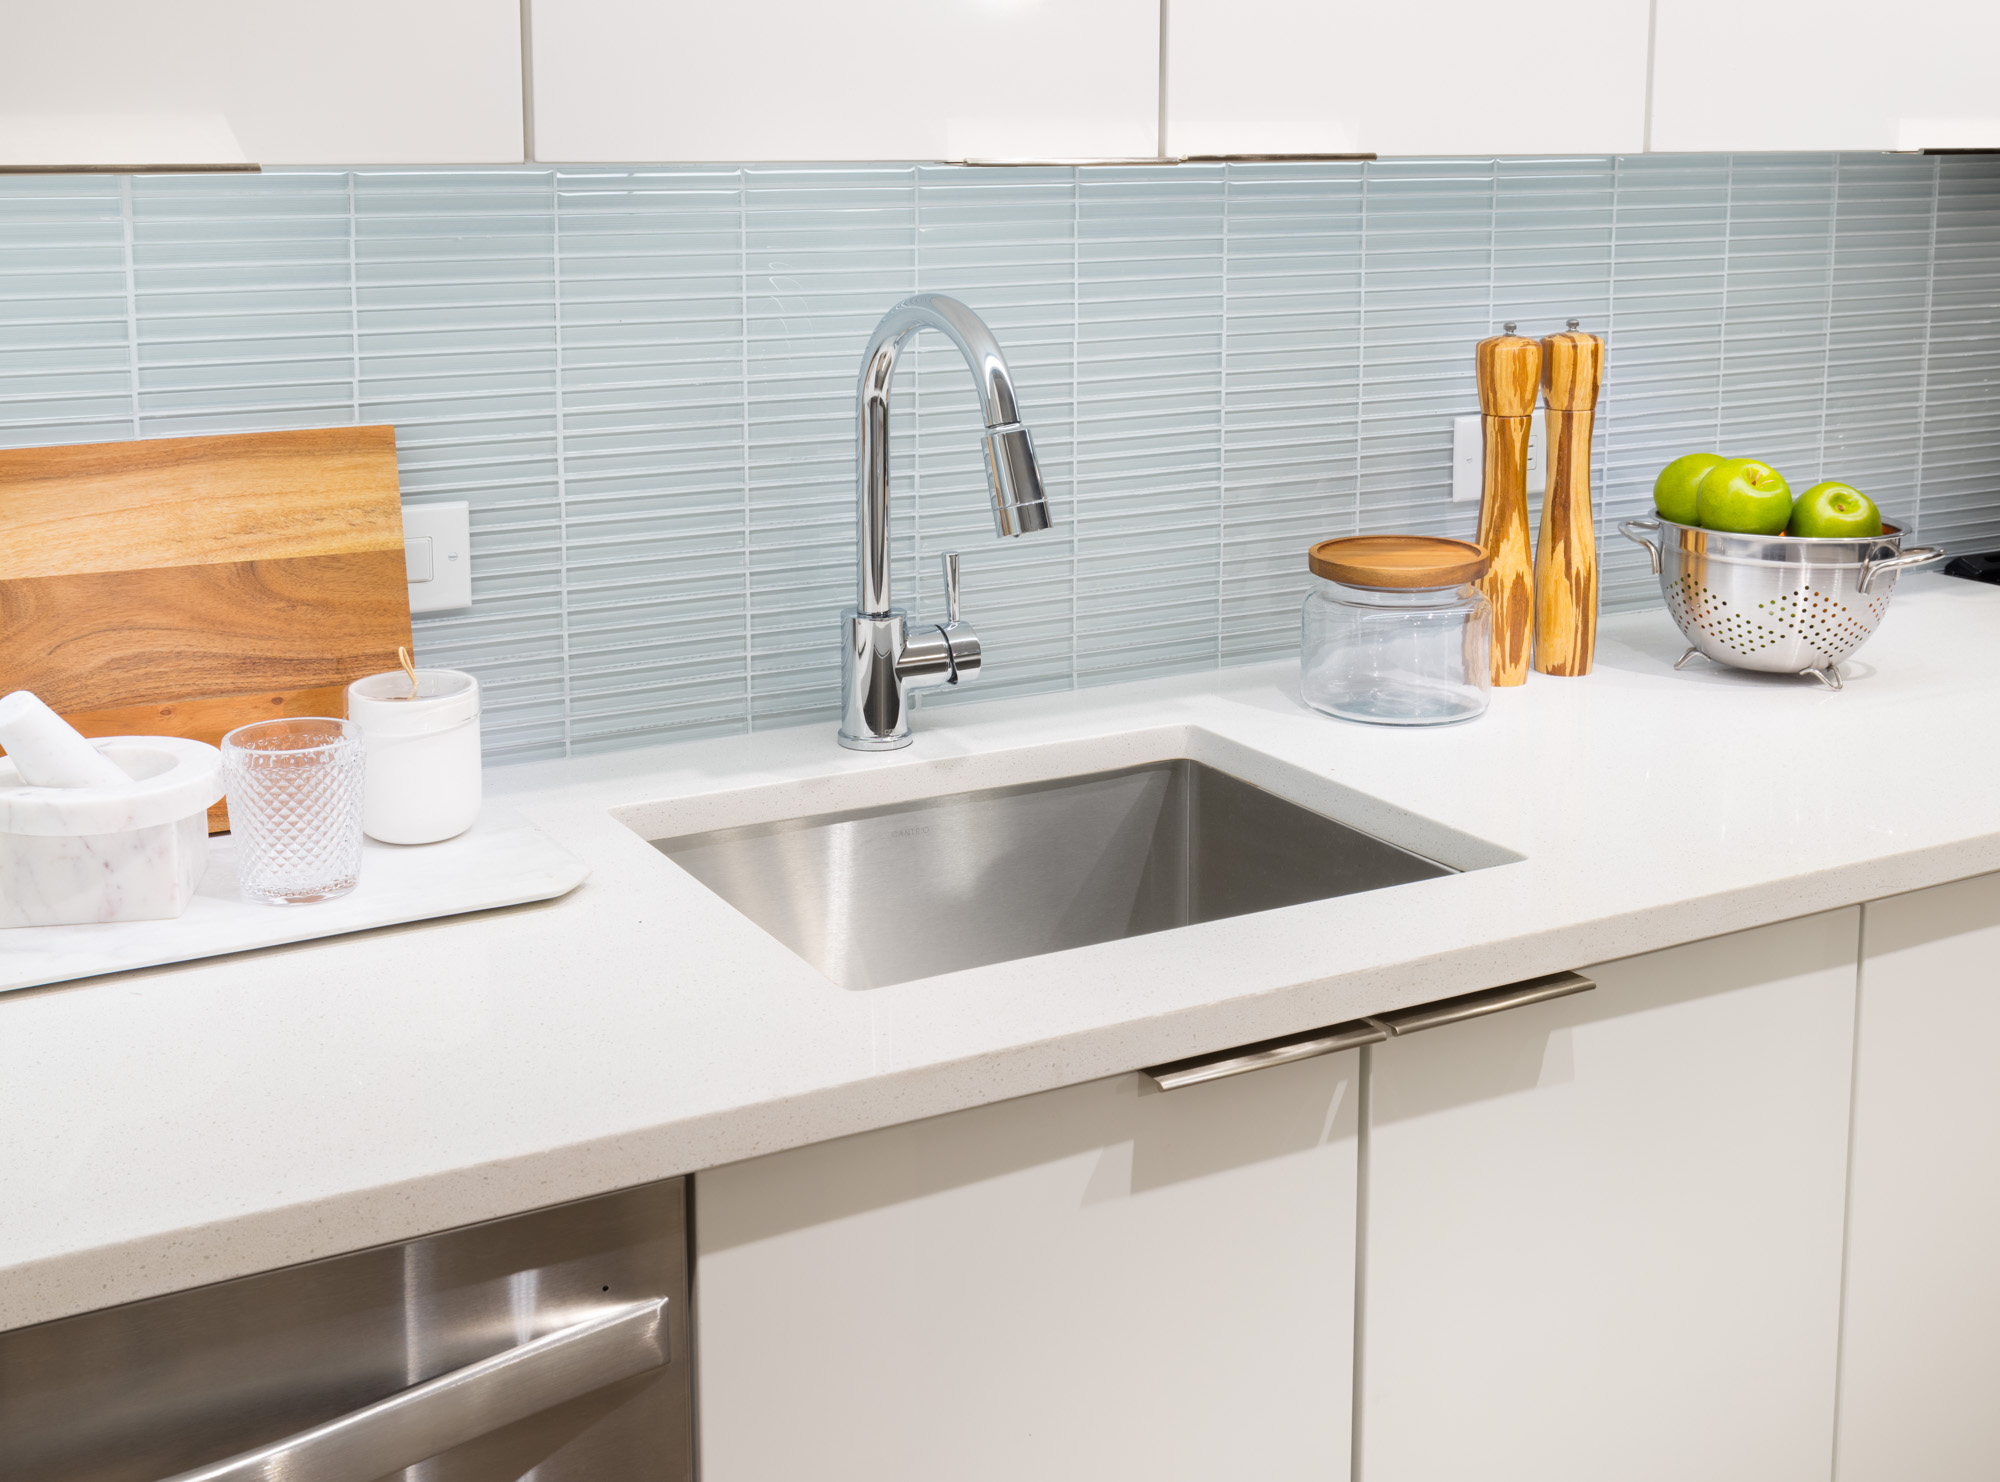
x=883 y=663
x=875 y=743
x=874 y=714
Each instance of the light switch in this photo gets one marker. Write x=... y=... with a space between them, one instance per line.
x=418 y=564
x=437 y=555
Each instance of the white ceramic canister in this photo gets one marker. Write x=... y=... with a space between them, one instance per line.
x=72 y=856
x=422 y=782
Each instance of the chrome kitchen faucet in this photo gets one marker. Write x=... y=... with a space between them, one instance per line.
x=882 y=661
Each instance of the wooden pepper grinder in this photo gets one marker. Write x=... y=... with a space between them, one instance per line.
x=1510 y=372
x=1566 y=554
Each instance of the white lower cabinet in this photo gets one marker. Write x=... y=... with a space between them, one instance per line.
x=1603 y=1234
x=1102 y=1281
x=1598 y=1238
x=1920 y=1348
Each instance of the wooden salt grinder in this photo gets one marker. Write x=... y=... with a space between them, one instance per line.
x=1510 y=371
x=1566 y=554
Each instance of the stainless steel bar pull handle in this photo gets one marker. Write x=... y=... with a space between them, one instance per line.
x=419 y=1422
x=1371 y=1030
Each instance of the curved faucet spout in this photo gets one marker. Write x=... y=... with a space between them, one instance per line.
x=964 y=329
x=1019 y=502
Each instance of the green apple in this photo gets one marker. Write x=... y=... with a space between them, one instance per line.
x=1832 y=510
x=1743 y=496
x=1674 y=489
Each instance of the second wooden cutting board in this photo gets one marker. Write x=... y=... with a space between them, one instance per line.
x=187 y=586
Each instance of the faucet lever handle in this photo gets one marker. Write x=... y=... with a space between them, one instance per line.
x=951 y=586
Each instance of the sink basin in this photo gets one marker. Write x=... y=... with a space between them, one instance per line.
x=882 y=895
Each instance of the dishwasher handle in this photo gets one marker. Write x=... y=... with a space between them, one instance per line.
x=418 y=1423
x=1370 y=1030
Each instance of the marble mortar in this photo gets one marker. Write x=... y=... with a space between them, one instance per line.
x=77 y=855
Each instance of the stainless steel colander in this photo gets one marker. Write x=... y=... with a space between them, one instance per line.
x=1778 y=603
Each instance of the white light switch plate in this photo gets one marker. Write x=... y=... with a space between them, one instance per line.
x=1468 y=458
x=437 y=551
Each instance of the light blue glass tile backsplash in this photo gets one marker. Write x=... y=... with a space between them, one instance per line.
x=643 y=380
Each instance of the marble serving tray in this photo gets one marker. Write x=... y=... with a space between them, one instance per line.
x=502 y=860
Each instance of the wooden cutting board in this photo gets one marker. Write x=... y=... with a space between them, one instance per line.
x=185 y=586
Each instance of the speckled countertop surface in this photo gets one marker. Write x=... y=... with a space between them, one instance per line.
x=192 y=1123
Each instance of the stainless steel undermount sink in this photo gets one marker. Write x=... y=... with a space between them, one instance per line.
x=883 y=895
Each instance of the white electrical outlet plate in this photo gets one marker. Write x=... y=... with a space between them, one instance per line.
x=1468 y=458
x=437 y=554
x=1466 y=448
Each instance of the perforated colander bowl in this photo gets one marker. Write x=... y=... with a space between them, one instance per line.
x=1778 y=603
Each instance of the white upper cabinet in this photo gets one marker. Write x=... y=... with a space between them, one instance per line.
x=136 y=82
x=1447 y=77
x=881 y=80
x=1782 y=74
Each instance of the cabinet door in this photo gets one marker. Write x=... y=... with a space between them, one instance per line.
x=1603 y=1235
x=1448 y=77
x=1102 y=1281
x=882 y=80
x=359 y=82
x=1919 y=1364
x=1839 y=74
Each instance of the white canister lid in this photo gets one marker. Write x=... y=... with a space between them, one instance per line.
x=382 y=704
x=172 y=778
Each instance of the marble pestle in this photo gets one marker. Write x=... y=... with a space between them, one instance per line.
x=47 y=751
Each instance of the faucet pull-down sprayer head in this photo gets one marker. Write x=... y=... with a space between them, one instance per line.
x=1020 y=506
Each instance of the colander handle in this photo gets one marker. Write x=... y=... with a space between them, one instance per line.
x=1632 y=531
x=1921 y=555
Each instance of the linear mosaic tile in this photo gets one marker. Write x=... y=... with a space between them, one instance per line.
x=643 y=379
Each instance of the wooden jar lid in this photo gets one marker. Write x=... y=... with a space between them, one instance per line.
x=1397 y=561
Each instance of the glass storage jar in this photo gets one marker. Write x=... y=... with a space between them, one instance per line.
x=1394 y=633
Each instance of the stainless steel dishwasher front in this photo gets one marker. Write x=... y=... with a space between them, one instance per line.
x=554 y=1343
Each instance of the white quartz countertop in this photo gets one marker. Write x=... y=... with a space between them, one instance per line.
x=192 y=1123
